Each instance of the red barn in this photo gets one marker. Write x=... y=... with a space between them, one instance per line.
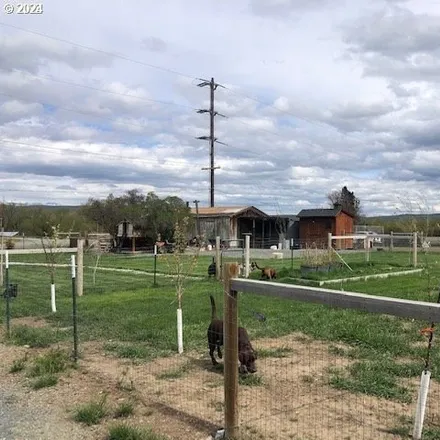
x=315 y=224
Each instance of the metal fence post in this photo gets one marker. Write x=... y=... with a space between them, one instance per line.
x=74 y=312
x=80 y=261
x=8 y=299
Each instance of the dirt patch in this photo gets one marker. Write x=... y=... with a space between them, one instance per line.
x=183 y=397
x=30 y=321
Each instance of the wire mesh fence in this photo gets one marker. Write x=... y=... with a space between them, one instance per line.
x=321 y=373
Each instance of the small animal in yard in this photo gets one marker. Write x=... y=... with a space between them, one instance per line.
x=246 y=353
x=212 y=268
x=266 y=272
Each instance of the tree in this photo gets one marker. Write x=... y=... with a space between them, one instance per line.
x=149 y=214
x=181 y=266
x=349 y=202
x=50 y=244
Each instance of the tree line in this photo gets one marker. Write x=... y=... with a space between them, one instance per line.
x=155 y=217
x=151 y=215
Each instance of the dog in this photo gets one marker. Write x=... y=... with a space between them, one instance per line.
x=266 y=272
x=246 y=353
x=212 y=268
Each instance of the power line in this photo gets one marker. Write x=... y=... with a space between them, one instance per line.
x=212 y=139
x=128 y=95
x=71 y=150
x=93 y=49
x=97 y=89
x=80 y=152
x=173 y=71
x=82 y=112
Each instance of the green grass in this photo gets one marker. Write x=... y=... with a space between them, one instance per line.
x=52 y=362
x=35 y=337
x=405 y=426
x=127 y=432
x=135 y=351
x=378 y=378
x=48 y=380
x=124 y=409
x=91 y=413
x=250 y=380
x=140 y=321
x=175 y=373
x=279 y=352
x=46 y=368
x=18 y=365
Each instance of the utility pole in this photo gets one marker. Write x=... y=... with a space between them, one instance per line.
x=212 y=139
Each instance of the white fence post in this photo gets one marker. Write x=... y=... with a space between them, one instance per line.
x=247 y=251
x=367 y=248
x=415 y=249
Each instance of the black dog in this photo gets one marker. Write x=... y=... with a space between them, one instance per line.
x=246 y=353
x=212 y=268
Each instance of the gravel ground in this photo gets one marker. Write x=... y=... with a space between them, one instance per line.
x=26 y=414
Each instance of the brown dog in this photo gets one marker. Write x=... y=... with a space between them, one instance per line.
x=246 y=353
x=266 y=272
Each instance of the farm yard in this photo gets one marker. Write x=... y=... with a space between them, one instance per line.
x=323 y=373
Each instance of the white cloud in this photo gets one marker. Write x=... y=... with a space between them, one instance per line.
x=352 y=89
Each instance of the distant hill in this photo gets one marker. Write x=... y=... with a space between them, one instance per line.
x=402 y=217
x=54 y=207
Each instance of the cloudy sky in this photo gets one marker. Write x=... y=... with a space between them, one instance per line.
x=99 y=97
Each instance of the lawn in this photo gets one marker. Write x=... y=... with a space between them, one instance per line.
x=139 y=320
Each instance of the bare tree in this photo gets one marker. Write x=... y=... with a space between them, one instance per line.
x=181 y=265
x=98 y=249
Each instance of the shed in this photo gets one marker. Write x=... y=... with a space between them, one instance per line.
x=315 y=224
x=230 y=223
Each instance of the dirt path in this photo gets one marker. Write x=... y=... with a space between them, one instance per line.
x=32 y=415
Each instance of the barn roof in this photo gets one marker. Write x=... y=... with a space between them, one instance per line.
x=227 y=211
x=331 y=212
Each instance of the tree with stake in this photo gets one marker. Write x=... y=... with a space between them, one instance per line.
x=50 y=247
x=181 y=266
x=99 y=248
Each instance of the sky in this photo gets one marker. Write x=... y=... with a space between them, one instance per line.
x=102 y=97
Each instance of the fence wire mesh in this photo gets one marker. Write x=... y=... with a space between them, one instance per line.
x=321 y=373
